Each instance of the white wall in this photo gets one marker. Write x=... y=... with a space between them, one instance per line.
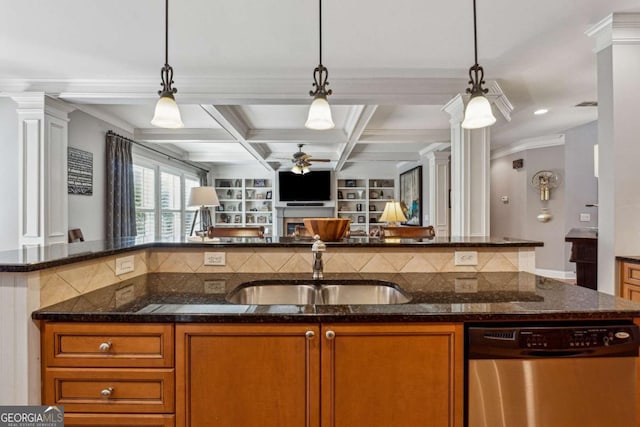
x=8 y=174
x=88 y=212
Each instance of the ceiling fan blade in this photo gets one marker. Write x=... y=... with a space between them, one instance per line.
x=313 y=159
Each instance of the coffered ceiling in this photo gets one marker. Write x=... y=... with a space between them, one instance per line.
x=243 y=70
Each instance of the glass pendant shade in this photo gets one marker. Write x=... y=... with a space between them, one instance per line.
x=167 y=114
x=319 y=114
x=296 y=169
x=478 y=113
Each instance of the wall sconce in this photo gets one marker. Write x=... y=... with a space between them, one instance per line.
x=544 y=182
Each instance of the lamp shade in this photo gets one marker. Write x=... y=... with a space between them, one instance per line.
x=203 y=196
x=167 y=114
x=478 y=113
x=392 y=213
x=319 y=117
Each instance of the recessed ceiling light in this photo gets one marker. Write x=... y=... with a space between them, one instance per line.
x=541 y=111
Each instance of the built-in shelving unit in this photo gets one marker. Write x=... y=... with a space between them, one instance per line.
x=363 y=201
x=244 y=202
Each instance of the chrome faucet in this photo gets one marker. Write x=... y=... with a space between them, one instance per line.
x=317 y=249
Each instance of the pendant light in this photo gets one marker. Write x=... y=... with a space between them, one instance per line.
x=320 y=112
x=478 y=113
x=167 y=113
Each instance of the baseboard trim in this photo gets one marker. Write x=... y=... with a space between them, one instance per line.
x=556 y=274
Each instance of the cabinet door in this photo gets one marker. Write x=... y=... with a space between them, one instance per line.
x=392 y=375
x=247 y=375
x=631 y=292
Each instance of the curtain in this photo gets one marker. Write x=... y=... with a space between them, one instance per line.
x=121 y=208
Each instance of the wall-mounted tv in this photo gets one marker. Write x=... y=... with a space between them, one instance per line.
x=310 y=187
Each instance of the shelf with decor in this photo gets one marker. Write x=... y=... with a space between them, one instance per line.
x=363 y=201
x=244 y=202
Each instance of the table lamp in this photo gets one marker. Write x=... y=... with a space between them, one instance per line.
x=392 y=214
x=202 y=197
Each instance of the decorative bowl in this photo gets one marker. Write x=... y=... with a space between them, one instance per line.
x=329 y=229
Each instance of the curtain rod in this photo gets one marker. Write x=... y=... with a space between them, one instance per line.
x=175 y=159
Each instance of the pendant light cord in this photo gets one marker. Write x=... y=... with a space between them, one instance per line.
x=166 y=32
x=320 y=28
x=475 y=32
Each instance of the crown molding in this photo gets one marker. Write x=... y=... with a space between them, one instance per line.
x=615 y=29
x=381 y=136
x=528 y=144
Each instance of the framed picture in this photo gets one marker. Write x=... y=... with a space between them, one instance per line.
x=340 y=195
x=269 y=195
x=251 y=194
x=259 y=183
x=361 y=219
x=350 y=183
x=237 y=219
x=372 y=208
x=411 y=195
x=79 y=172
x=351 y=195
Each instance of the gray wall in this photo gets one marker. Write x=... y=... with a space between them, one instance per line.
x=8 y=174
x=506 y=218
x=88 y=212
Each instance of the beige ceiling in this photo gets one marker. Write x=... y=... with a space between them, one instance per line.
x=243 y=69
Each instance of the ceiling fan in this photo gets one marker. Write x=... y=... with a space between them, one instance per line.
x=301 y=161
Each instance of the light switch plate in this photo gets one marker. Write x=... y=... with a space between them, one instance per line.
x=585 y=217
x=124 y=265
x=466 y=258
x=215 y=258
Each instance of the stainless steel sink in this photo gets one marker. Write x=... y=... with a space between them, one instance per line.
x=323 y=292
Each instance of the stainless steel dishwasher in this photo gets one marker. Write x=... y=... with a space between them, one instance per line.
x=565 y=375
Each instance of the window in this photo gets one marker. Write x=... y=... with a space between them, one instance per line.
x=161 y=195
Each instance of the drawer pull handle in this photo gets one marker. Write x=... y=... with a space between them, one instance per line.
x=107 y=392
x=310 y=334
x=330 y=335
x=105 y=346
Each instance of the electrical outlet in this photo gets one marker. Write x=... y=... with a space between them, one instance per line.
x=585 y=217
x=466 y=258
x=124 y=265
x=215 y=258
x=505 y=199
x=124 y=296
x=215 y=286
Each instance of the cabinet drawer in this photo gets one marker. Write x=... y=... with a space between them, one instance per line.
x=110 y=390
x=107 y=345
x=117 y=420
x=631 y=273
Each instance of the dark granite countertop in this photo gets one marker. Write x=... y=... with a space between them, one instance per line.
x=435 y=297
x=632 y=259
x=34 y=258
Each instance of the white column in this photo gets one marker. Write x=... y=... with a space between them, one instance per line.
x=439 y=192
x=470 y=175
x=42 y=139
x=617 y=40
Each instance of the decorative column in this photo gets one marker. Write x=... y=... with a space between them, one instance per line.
x=617 y=48
x=469 y=175
x=439 y=192
x=42 y=137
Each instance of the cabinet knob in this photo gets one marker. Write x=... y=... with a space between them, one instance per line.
x=107 y=392
x=309 y=334
x=105 y=346
x=330 y=334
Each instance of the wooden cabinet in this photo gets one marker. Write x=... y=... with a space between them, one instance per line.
x=371 y=375
x=112 y=372
x=630 y=280
x=392 y=375
x=247 y=375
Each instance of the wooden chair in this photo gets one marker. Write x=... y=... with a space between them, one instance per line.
x=409 y=232
x=235 y=232
x=75 y=235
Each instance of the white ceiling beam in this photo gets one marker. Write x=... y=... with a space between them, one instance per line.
x=238 y=129
x=359 y=125
x=384 y=136
x=306 y=136
x=220 y=156
x=394 y=156
x=160 y=136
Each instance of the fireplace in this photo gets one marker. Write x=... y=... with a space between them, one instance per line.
x=288 y=217
x=290 y=224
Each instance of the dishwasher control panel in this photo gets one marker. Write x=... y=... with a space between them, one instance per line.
x=570 y=340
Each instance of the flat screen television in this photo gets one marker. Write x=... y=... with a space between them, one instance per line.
x=314 y=186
